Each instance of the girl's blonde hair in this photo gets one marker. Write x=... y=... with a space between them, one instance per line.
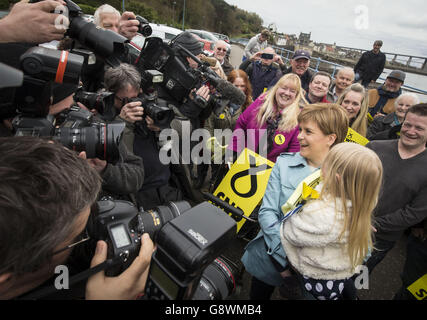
x=353 y=172
x=360 y=124
x=269 y=108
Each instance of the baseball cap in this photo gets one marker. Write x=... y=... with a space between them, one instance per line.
x=301 y=54
x=397 y=74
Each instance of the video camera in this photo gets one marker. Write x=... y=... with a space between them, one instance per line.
x=180 y=80
x=186 y=263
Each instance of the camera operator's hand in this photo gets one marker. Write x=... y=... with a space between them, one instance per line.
x=34 y=22
x=150 y=124
x=96 y=163
x=132 y=112
x=203 y=91
x=128 y=25
x=128 y=285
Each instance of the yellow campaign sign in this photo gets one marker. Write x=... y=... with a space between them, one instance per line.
x=419 y=288
x=353 y=136
x=244 y=185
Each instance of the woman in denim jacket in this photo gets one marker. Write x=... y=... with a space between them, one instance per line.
x=321 y=127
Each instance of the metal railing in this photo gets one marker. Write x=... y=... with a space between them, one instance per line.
x=287 y=55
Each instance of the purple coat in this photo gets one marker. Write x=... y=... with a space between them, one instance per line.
x=244 y=137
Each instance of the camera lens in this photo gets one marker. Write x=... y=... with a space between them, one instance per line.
x=152 y=221
x=99 y=140
x=217 y=281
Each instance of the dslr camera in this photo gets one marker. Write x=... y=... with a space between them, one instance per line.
x=186 y=264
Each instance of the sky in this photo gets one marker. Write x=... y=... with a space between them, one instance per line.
x=402 y=25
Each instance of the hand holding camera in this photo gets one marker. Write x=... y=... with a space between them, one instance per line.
x=132 y=111
x=24 y=18
x=128 y=25
x=130 y=284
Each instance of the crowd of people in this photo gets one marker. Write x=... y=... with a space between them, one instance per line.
x=367 y=196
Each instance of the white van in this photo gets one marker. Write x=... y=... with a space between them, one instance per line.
x=160 y=31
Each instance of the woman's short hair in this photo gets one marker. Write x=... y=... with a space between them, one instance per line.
x=329 y=117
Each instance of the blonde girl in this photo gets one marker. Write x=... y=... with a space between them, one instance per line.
x=331 y=236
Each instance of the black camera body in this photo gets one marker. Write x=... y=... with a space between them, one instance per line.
x=157 y=109
x=103 y=101
x=185 y=247
x=186 y=243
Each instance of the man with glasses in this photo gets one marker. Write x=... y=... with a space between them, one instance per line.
x=220 y=53
x=157 y=188
x=46 y=195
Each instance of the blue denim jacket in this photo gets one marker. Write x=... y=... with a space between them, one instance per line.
x=290 y=169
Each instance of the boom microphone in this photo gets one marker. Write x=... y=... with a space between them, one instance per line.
x=231 y=92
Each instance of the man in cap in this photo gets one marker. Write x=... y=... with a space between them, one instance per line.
x=370 y=65
x=300 y=62
x=382 y=99
x=256 y=44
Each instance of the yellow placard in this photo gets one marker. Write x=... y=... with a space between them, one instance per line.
x=244 y=185
x=419 y=288
x=353 y=136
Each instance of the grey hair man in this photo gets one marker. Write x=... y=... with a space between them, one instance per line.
x=220 y=53
x=108 y=17
x=343 y=79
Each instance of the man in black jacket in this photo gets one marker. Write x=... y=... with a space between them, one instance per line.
x=370 y=65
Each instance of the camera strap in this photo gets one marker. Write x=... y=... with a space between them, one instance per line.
x=50 y=290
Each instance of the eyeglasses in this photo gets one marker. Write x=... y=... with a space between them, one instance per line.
x=221 y=49
x=82 y=238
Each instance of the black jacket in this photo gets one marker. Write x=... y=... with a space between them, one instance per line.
x=370 y=65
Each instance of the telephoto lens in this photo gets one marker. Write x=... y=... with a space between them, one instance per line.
x=98 y=140
x=218 y=281
x=151 y=221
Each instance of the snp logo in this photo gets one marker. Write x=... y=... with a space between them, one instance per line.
x=62 y=281
x=362 y=17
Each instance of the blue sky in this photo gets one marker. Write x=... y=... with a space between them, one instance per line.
x=402 y=25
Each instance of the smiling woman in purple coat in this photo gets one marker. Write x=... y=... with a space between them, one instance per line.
x=269 y=125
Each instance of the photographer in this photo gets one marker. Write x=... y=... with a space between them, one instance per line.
x=141 y=136
x=121 y=179
x=46 y=194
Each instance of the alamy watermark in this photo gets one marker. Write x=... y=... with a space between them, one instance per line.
x=362 y=17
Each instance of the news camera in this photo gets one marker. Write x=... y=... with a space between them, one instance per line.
x=180 y=80
x=48 y=72
x=186 y=264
